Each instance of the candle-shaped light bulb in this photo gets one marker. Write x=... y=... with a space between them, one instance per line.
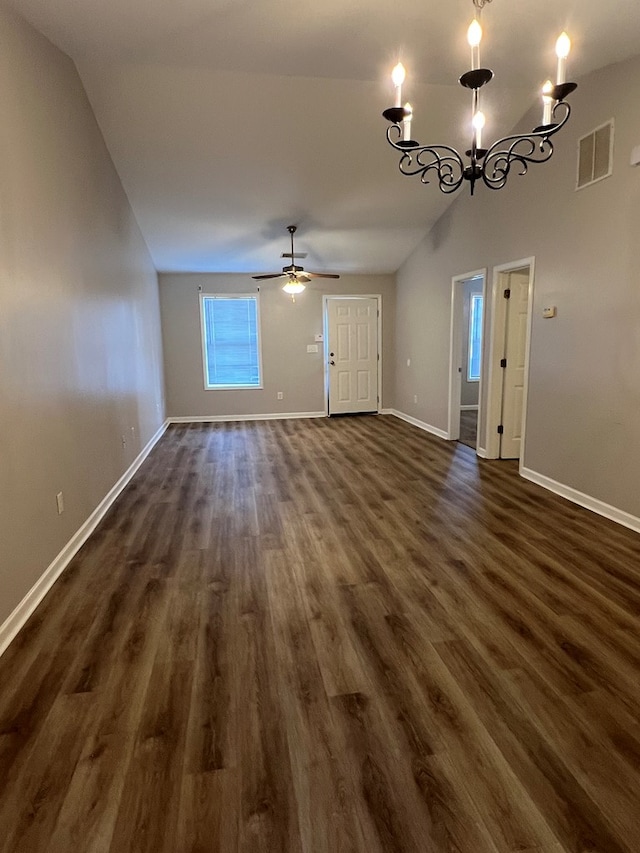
x=547 y=101
x=563 y=46
x=474 y=37
x=397 y=75
x=478 y=123
x=406 y=122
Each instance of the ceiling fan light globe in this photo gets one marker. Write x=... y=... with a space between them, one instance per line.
x=293 y=287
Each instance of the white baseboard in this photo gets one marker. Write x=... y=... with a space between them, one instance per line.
x=220 y=419
x=16 y=620
x=595 y=505
x=481 y=452
x=420 y=424
x=469 y=408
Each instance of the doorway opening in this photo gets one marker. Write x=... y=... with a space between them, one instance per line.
x=465 y=362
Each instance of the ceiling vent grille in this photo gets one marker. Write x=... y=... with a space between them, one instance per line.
x=595 y=155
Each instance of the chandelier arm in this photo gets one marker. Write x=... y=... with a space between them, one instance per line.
x=443 y=160
x=520 y=150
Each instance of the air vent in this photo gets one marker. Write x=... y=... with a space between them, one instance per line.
x=595 y=155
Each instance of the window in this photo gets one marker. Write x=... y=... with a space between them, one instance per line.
x=231 y=341
x=475 y=337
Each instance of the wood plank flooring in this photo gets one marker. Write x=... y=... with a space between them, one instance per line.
x=469 y=427
x=329 y=636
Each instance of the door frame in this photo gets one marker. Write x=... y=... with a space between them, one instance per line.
x=496 y=352
x=325 y=333
x=455 y=353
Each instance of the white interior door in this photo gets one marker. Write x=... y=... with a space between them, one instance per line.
x=514 y=372
x=352 y=354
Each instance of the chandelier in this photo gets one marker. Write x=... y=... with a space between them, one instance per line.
x=491 y=165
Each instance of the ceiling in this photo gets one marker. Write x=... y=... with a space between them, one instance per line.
x=230 y=119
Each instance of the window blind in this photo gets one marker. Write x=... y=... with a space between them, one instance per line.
x=230 y=327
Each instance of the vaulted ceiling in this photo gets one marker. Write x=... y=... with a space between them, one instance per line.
x=229 y=119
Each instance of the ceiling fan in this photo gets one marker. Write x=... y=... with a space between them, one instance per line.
x=296 y=277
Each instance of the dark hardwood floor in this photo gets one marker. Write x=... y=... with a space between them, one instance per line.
x=325 y=636
x=469 y=427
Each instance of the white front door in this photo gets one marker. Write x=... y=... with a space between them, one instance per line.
x=352 y=354
x=514 y=372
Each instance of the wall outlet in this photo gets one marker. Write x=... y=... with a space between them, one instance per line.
x=60 y=503
x=280 y=395
x=124 y=441
x=415 y=398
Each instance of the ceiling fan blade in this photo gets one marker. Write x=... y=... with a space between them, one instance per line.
x=302 y=277
x=270 y=275
x=322 y=274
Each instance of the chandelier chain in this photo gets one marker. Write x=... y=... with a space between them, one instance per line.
x=480 y=4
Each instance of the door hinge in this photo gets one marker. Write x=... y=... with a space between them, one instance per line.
x=500 y=429
x=507 y=293
x=503 y=362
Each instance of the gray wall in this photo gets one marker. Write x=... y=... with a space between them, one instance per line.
x=286 y=327
x=80 y=347
x=584 y=388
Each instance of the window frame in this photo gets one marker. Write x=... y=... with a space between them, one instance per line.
x=203 y=341
x=474 y=298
